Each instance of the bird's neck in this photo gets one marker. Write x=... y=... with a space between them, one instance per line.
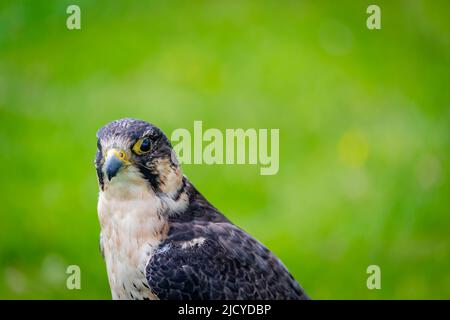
x=132 y=227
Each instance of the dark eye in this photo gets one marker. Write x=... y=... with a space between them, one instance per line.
x=142 y=146
x=145 y=145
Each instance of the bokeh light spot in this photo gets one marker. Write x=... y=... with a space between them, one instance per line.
x=353 y=148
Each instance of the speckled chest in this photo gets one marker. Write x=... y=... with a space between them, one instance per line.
x=131 y=230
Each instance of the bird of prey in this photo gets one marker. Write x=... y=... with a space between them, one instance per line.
x=161 y=239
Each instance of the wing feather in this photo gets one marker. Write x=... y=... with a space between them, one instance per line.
x=217 y=261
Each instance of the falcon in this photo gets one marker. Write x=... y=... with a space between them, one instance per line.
x=161 y=239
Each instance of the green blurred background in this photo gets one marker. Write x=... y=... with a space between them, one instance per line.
x=363 y=118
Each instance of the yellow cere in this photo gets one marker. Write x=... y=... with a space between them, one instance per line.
x=120 y=154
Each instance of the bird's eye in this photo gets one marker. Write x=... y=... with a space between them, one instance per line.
x=145 y=145
x=142 y=146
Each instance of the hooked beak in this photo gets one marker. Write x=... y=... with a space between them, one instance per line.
x=115 y=159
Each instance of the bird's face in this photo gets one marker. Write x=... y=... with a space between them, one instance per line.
x=134 y=151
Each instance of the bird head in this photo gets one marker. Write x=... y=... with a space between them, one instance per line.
x=134 y=152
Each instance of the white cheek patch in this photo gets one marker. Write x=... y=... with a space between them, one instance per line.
x=192 y=243
x=173 y=206
x=127 y=184
x=171 y=178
